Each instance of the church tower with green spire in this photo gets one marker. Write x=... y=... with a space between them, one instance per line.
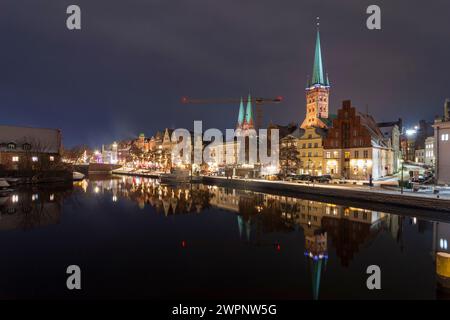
x=317 y=92
x=249 y=114
x=241 y=115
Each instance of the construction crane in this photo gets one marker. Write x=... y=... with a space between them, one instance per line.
x=235 y=101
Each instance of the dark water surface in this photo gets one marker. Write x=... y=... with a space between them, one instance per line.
x=134 y=238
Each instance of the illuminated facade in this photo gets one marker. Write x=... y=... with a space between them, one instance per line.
x=24 y=148
x=355 y=148
x=429 y=152
x=442 y=152
x=310 y=146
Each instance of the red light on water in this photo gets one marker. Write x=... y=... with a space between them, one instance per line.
x=183 y=244
x=278 y=247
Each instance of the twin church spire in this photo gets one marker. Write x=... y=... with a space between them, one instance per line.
x=317 y=94
x=245 y=119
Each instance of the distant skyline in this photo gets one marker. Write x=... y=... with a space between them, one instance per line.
x=125 y=72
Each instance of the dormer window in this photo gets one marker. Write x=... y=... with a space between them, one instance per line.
x=26 y=146
x=11 y=146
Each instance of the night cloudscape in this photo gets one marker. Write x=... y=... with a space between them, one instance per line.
x=126 y=70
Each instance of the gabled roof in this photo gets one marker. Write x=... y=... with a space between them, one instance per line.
x=378 y=138
x=328 y=121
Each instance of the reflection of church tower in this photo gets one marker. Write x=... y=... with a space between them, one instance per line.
x=317 y=92
x=316 y=250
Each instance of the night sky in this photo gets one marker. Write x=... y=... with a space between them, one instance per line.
x=126 y=70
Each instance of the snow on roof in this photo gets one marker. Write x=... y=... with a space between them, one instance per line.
x=40 y=139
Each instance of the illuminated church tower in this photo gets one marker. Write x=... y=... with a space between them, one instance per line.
x=317 y=92
x=245 y=119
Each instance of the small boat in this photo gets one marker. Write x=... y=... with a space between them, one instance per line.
x=77 y=176
x=4 y=187
x=4 y=184
x=176 y=175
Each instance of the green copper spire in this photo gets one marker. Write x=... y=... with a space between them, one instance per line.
x=317 y=76
x=241 y=113
x=249 y=113
x=316 y=275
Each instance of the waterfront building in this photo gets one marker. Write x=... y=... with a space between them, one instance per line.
x=109 y=153
x=311 y=150
x=442 y=144
x=355 y=148
x=24 y=148
x=419 y=156
x=429 y=151
x=142 y=143
x=414 y=139
x=392 y=133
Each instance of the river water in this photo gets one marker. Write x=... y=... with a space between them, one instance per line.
x=134 y=238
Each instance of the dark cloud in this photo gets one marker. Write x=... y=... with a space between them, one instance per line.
x=125 y=71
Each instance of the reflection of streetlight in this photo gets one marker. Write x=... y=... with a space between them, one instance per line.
x=401 y=182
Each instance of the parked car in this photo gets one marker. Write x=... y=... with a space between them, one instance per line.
x=326 y=178
x=305 y=177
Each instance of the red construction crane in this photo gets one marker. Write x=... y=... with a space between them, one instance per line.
x=235 y=101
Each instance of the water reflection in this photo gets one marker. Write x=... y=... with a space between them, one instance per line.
x=29 y=208
x=333 y=236
x=345 y=229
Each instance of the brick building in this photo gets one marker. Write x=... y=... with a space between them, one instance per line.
x=24 y=148
x=355 y=148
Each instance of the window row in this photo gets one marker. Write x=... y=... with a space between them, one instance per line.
x=33 y=158
x=13 y=146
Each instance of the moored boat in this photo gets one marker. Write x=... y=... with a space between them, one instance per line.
x=175 y=176
x=78 y=176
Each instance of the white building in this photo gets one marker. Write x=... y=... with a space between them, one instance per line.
x=109 y=153
x=419 y=156
x=442 y=145
x=429 y=151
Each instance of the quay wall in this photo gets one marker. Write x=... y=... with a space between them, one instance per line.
x=379 y=201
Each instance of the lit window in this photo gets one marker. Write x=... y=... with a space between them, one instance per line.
x=52 y=158
x=444 y=137
x=34 y=159
x=15 y=159
x=443 y=244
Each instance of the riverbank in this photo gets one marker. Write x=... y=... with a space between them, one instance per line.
x=372 y=198
x=137 y=173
